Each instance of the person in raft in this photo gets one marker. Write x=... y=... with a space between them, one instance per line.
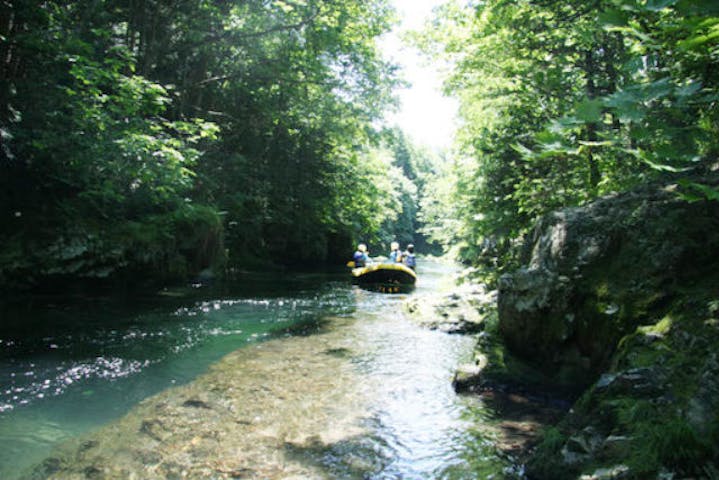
x=360 y=257
x=396 y=255
x=408 y=257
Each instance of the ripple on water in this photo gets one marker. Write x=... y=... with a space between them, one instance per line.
x=341 y=386
x=302 y=407
x=57 y=380
x=61 y=362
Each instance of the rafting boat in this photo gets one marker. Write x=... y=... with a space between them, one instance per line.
x=391 y=277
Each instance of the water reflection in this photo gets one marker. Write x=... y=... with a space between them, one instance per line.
x=332 y=382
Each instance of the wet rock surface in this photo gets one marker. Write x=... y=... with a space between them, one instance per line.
x=462 y=311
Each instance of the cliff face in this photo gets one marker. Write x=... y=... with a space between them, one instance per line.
x=593 y=274
x=621 y=298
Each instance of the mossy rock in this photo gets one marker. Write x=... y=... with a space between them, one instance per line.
x=593 y=274
x=656 y=407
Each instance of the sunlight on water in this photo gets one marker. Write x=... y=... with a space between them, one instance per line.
x=333 y=382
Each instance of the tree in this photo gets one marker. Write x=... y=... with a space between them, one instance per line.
x=566 y=101
x=239 y=124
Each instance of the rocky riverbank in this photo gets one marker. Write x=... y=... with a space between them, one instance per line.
x=617 y=304
x=463 y=311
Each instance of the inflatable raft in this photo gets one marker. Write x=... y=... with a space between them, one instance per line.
x=389 y=277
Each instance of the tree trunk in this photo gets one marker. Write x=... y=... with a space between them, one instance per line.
x=591 y=89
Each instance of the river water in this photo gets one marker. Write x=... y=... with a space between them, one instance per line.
x=294 y=376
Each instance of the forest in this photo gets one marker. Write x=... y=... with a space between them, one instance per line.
x=563 y=102
x=158 y=139
x=164 y=138
x=168 y=137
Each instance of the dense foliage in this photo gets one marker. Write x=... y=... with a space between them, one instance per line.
x=563 y=101
x=165 y=137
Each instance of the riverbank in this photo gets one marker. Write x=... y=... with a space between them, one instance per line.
x=615 y=305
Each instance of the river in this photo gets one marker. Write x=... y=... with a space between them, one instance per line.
x=274 y=376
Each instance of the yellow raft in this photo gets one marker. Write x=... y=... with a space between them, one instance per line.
x=386 y=276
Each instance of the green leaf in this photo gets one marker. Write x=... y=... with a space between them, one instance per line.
x=697 y=7
x=655 y=90
x=689 y=89
x=548 y=136
x=690 y=197
x=613 y=18
x=658 y=5
x=589 y=110
x=605 y=143
x=621 y=99
x=525 y=152
x=709 y=193
x=627 y=106
x=696 y=41
x=661 y=167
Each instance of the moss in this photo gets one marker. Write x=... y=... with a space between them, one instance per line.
x=658 y=439
x=674 y=354
x=645 y=314
x=506 y=369
x=546 y=461
x=662 y=327
x=630 y=411
x=662 y=440
x=156 y=247
x=602 y=291
x=675 y=442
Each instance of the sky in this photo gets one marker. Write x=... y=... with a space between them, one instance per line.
x=425 y=115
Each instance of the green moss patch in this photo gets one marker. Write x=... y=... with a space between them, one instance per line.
x=657 y=408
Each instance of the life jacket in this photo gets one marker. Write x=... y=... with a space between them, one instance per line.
x=410 y=260
x=359 y=258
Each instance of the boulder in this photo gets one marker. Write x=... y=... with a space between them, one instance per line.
x=581 y=446
x=463 y=311
x=619 y=297
x=594 y=273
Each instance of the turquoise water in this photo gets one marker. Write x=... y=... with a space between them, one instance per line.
x=69 y=367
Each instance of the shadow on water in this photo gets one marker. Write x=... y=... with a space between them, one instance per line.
x=361 y=457
x=312 y=325
x=387 y=288
x=519 y=418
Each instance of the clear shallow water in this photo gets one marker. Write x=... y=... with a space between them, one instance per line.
x=72 y=368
